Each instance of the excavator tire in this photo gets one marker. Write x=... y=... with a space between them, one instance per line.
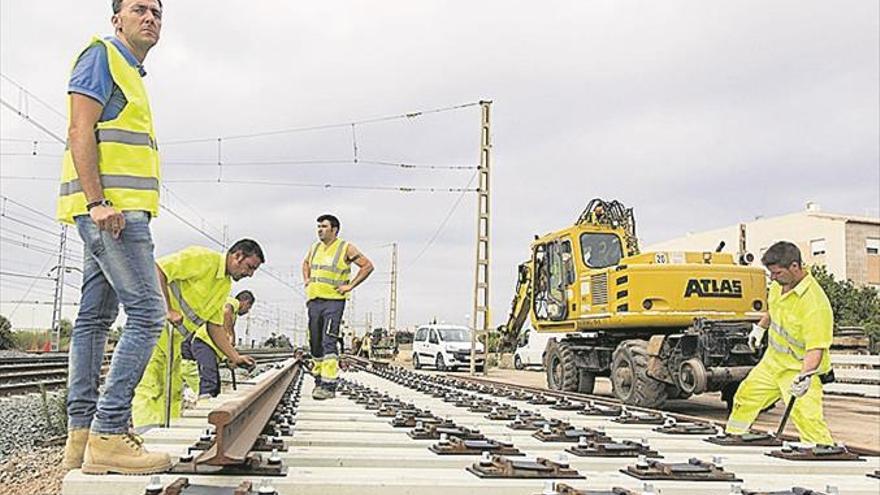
x=629 y=376
x=562 y=373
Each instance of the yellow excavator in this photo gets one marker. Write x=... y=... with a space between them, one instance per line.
x=661 y=325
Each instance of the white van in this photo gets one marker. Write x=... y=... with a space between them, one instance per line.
x=445 y=347
x=530 y=349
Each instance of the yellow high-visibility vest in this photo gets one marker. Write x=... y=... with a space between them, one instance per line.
x=328 y=270
x=128 y=156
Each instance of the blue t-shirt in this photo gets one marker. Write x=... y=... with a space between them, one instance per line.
x=91 y=77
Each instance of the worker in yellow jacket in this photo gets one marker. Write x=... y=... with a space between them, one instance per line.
x=201 y=348
x=326 y=272
x=195 y=282
x=801 y=329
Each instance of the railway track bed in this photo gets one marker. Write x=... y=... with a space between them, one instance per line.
x=344 y=447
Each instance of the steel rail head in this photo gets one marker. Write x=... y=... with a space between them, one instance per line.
x=238 y=422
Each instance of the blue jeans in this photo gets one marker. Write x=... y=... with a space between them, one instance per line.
x=209 y=371
x=115 y=271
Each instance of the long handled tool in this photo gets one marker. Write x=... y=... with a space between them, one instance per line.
x=232 y=372
x=790 y=406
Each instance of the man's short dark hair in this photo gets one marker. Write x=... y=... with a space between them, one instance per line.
x=245 y=295
x=783 y=254
x=248 y=247
x=334 y=222
x=117 y=5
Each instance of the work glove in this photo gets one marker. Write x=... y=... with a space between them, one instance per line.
x=756 y=336
x=800 y=385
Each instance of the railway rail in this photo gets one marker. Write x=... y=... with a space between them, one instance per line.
x=394 y=431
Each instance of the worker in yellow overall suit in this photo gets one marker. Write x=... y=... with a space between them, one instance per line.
x=201 y=348
x=801 y=325
x=326 y=272
x=195 y=282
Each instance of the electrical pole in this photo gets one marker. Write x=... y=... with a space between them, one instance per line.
x=59 y=290
x=392 y=313
x=247 y=331
x=482 y=318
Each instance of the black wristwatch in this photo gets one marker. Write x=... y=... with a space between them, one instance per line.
x=103 y=202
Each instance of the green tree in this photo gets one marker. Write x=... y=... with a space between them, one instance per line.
x=852 y=305
x=66 y=328
x=6 y=340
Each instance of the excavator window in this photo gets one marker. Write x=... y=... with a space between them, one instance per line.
x=600 y=250
x=550 y=282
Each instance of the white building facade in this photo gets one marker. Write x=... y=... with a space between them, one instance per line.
x=849 y=246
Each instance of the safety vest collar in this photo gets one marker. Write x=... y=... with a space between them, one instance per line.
x=126 y=53
x=221 y=268
x=802 y=287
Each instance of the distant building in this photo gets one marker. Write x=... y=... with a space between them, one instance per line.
x=849 y=246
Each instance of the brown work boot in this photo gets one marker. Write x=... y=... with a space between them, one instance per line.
x=75 y=448
x=122 y=453
x=322 y=393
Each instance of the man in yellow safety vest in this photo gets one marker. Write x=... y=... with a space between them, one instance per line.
x=110 y=192
x=801 y=329
x=326 y=272
x=200 y=346
x=196 y=282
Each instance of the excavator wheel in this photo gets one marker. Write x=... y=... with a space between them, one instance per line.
x=562 y=373
x=629 y=376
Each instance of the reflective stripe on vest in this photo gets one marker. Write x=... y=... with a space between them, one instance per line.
x=787 y=336
x=185 y=308
x=334 y=266
x=123 y=137
x=183 y=331
x=114 y=182
x=784 y=349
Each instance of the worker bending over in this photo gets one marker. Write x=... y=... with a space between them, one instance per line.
x=326 y=272
x=195 y=282
x=202 y=348
x=800 y=323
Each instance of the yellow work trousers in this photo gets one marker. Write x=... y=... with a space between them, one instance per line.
x=148 y=405
x=769 y=382
x=189 y=370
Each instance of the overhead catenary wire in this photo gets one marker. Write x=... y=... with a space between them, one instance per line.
x=443 y=223
x=275 y=162
x=337 y=125
x=256 y=182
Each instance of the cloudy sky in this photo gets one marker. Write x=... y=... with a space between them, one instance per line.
x=697 y=114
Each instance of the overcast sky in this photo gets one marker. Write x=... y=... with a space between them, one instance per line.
x=697 y=114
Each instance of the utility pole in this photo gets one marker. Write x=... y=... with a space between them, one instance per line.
x=59 y=290
x=482 y=318
x=392 y=313
x=247 y=330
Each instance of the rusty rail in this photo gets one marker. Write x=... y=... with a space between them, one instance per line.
x=238 y=422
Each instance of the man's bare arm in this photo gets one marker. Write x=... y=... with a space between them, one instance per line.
x=365 y=267
x=173 y=316
x=221 y=340
x=84 y=115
